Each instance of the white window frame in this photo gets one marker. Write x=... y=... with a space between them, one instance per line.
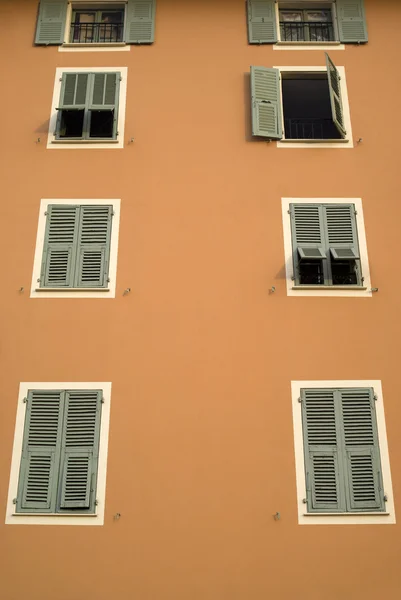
x=100 y=47
x=341 y=143
x=305 y=518
x=321 y=290
x=283 y=45
x=13 y=518
x=110 y=291
x=54 y=144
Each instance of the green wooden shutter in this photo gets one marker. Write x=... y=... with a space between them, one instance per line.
x=51 y=22
x=363 y=467
x=341 y=232
x=140 y=21
x=74 y=90
x=323 y=464
x=262 y=26
x=308 y=242
x=80 y=450
x=104 y=94
x=59 y=250
x=351 y=21
x=266 y=103
x=37 y=488
x=337 y=112
x=93 y=246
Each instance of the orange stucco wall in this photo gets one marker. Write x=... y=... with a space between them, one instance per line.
x=200 y=356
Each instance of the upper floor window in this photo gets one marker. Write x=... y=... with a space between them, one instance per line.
x=310 y=22
x=97 y=26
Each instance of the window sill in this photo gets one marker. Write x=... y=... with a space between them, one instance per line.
x=308 y=46
x=67 y=289
x=25 y=514
x=329 y=287
x=305 y=141
x=94 y=45
x=348 y=514
x=308 y=43
x=97 y=141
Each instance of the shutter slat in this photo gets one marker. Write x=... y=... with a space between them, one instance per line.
x=80 y=445
x=337 y=112
x=140 y=23
x=51 y=22
x=266 y=104
x=351 y=21
x=93 y=246
x=262 y=26
x=41 y=452
x=59 y=250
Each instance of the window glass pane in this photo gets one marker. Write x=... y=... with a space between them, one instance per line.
x=85 y=17
x=318 y=15
x=115 y=16
x=290 y=15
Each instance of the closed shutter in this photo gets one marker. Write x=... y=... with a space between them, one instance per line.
x=74 y=87
x=59 y=251
x=104 y=92
x=51 y=22
x=351 y=21
x=266 y=103
x=262 y=27
x=363 y=467
x=337 y=112
x=140 y=21
x=80 y=450
x=37 y=489
x=93 y=246
x=323 y=465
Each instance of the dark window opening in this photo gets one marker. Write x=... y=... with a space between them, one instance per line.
x=71 y=124
x=307 y=108
x=344 y=272
x=101 y=123
x=311 y=273
x=307 y=25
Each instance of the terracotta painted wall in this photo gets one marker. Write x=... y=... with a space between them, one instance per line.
x=200 y=355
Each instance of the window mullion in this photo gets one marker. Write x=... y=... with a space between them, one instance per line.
x=57 y=467
x=342 y=454
x=328 y=278
x=87 y=115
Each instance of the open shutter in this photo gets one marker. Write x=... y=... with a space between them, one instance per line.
x=80 y=449
x=351 y=21
x=51 y=22
x=73 y=94
x=59 y=250
x=337 y=112
x=140 y=22
x=363 y=466
x=266 y=103
x=40 y=460
x=104 y=91
x=323 y=464
x=93 y=246
x=341 y=234
x=307 y=234
x=262 y=27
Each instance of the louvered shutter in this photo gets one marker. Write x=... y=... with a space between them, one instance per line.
x=351 y=21
x=364 y=478
x=37 y=489
x=266 y=103
x=323 y=465
x=337 y=112
x=262 y=27
x=51 y=22
x=93 y=246
x=74 y=89
x=59 y=251
x=80 y=449
x=140 y=21
x=341 y=231
x=104 y=92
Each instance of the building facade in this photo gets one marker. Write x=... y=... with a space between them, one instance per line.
x=200 y=332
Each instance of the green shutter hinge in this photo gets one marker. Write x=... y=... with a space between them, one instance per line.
x=102 y=400
x=385 y=498
x=375 y=397
x=300 y=399
x=304 y=501
x=25 y=400
x=112 y=213
x=96 y=502
x=46 y=213
x=14 y=500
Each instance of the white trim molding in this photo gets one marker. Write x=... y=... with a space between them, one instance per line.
x=40 y=237
x=385 y=518
x=57 y=519
x=352 y=292
x=345 y=143
x=53 y=144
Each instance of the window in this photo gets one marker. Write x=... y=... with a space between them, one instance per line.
x=325 y=244
x=91 y=23
x=88 y=107
x=59 y=457
x=341 y=450
x=76 y=250
x=313 y=22
x=300 y=104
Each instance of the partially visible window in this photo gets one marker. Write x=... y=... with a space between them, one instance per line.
x=105 y=25
x=307 y=25
x=325 y=245
x=88 y=106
